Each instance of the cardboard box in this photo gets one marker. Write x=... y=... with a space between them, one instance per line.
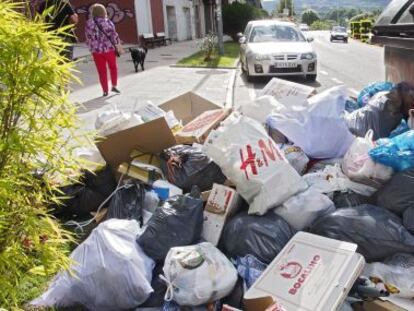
x=311 y=273
x=144 y=166
x=188 y=106
x=286 y=92
x=222 y=203
x=153 y=136
x=198 y=129
x=229 y=308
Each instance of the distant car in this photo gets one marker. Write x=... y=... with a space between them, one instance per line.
x=276 y=48
x=339 y=33
x=304 y=27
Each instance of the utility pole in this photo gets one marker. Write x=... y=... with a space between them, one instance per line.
x=220 y=27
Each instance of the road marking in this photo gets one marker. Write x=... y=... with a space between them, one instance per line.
x=353 y=91
x=337 y=81
x=323 y=72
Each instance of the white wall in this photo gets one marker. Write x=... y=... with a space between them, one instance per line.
x=181 y=21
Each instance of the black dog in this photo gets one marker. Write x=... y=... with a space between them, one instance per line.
x=138 y=57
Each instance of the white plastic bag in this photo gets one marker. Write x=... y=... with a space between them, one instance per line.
x=296 y=157
x=358 y=165
x=331 y=179
x=394 y=275
x=198 y=274
x=254 y=163
x=111 y=271
x=318 y=128
x=260 y=108
x=112 y=121
x=302 y=209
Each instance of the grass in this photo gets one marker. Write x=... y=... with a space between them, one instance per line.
x=228 y=60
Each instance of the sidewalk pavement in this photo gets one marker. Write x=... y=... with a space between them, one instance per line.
x=157 y=83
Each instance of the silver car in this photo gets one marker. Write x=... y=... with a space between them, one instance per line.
x=276 y=48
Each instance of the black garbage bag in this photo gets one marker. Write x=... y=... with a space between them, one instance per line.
x=178 y=222
x=186 y=166
x=377 y=232
x=398 y=193
x=350 y=199
x=156 y=299
x=87 y=195
x=261 y=236
x=408 y=219
x=128 y=202
x=382 y=114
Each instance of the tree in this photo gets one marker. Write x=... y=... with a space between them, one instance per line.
x=285 y=4
x=322 y=25
x=34 y=152
x=237 y=15
x=309 y=17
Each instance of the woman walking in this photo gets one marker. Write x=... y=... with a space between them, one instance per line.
x=104 y=44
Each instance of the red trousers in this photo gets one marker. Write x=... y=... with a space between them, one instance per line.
x=101 y=60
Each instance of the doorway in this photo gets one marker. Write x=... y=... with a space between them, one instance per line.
x=172 y=22
x=187 y=16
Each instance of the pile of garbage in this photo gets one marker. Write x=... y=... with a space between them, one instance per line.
x=285 y=203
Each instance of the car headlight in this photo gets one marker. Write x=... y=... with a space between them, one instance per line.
x=260 y=57
x=308 y=56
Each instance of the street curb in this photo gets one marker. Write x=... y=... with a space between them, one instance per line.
x=229 y=103
x=200 y=67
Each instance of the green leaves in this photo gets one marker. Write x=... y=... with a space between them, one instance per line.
x=34 y=115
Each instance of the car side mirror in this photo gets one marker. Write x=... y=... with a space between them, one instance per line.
x=242 y=40
x=309 y=39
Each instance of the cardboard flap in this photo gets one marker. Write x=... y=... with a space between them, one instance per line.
x=256 y=304
x=152 y=137
x=188 y=106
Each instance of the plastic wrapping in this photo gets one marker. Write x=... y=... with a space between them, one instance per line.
x=254 y=163
x=381 y=115
x=397 y=152
x=250 y=269
x=349 y=199
x=377 y=232
x=331 y=179
x=260 y=108
x=318 y=128
x=398 y=194
x=198 y=274
x=372 y=89
x=178 y=222
x=187 y=166
x=408 y=219
x=394 y=275
x=296 y=157
x=111 y=271
x=112 y=121
x=359 y=167
x=261 y=236
x=302 y=209
x=127 y=203
x=86 y=196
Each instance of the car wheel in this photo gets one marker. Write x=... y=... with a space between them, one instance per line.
x=311 y=78
x=346 y=40
x=242 y=67
x=331 y=39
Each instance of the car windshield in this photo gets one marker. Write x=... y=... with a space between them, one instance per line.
x=275 y=33
x=339 y=29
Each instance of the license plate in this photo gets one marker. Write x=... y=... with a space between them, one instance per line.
x=286 y=65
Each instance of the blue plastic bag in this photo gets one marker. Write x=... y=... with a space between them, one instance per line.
x=397 y=152
x=371 y=90
x=402 y=128
x=250 y=269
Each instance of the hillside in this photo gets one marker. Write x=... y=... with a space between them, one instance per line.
x=323 y=6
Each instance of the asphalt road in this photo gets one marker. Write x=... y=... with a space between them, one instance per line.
x=354 y=64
